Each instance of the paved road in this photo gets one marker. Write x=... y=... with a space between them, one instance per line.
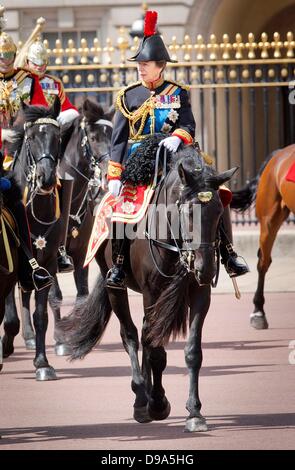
x=247 y=389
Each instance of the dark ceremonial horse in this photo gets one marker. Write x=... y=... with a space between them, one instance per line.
x=37 y=150
x=8 y=263
x=274 y=199
x=173 y=273
x=85 y=155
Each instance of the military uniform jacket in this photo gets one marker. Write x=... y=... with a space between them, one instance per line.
x=142 y=111
x=21 y=85
x=52 y=87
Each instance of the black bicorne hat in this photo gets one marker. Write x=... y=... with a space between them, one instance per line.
x=152 y=46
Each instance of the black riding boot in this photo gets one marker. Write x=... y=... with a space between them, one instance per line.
x=116 y=275
x=64 y=261
x=30 y=275
x=234 y=264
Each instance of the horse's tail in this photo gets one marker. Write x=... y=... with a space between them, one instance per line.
x=85 y=326
x=169 y=314
x=245 y=197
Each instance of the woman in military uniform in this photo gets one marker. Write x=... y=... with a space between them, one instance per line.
x=152 y=105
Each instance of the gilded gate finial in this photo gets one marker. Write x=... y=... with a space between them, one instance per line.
x=277 y=45
x=200 y=47
x=226 y=47
x=251 y=46
x=238 y=46
x=264 y=45
x=290 y=44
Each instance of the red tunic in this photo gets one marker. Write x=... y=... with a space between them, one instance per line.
x=53 y=87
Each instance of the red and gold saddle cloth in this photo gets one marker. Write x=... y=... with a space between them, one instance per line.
x=129 y=208
x=290 y=176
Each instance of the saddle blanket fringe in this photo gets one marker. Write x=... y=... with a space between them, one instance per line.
x=129 y=208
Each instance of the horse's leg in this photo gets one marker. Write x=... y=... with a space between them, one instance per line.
x=43 y=370
x=158 y=405
x=55 y=300
x=11 y=324
x=199 y=306
x=81 y=280
x=146 y=366
x=269 y=226
x=27 y=327
x=129 y=335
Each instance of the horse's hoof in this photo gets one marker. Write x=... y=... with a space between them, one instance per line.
x=141 y=415
x=196 y=424
x=159 y=415
x=258 y=321
x=1 y=367
x=7 y=345
x=63 y=349
x=45 y=373
x=30 y=344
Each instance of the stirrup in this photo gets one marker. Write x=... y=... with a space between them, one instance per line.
x=40 y=276
x=115 y=278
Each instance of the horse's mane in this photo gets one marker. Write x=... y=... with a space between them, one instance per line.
x=140 y=167
x=28 y=114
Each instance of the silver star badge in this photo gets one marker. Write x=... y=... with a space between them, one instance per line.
x=40 y=243
x=173 y=115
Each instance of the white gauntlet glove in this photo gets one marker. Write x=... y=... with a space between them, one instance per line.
x=8 y=135
x=114 y=187
x=67 y=116
x=171 y=143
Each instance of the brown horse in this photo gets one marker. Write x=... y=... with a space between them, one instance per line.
x=275 y=199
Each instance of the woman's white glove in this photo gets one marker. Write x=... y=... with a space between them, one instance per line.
x=8 y=135
x=171 y=143
x=67 y=116
x=114 y=187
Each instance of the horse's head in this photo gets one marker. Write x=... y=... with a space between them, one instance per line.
x=42 y=144
x=96 y=141
x=200 y=209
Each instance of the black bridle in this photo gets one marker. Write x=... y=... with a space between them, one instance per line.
x=184 y=249
x=31 y=165
x=95 y=180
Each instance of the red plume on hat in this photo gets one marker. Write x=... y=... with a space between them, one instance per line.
x=150 y=23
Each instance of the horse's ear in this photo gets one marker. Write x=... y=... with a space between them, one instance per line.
x=214 y=181
x=227 y=175
x=56 y=107
x=92 y=111
x=23 y=105
x=110 y=113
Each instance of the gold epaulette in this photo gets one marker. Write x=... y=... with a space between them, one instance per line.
x=119 y=100
x=180 y=85
x=20 y=75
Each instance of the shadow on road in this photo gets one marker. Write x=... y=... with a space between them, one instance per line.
x=129 y=432
x=125 y=371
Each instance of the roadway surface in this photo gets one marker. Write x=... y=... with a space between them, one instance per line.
x=246 y=385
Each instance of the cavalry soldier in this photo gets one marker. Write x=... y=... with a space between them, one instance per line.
x=151 y=105
x=16 y=85
x=36 y=63
x=30 y=274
